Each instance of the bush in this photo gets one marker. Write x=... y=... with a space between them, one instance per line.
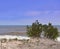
x=50 y=31
x=36 y=29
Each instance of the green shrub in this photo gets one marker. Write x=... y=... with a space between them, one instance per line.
x=50 y=31
x=36 y=29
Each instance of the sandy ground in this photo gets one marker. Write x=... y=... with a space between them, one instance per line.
x=41 y=43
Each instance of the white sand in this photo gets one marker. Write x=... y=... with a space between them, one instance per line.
x=33 y=43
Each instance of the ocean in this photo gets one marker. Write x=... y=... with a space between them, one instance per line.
x=17 y=28
x=12 y=28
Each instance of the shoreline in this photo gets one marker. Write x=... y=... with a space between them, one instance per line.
x=20 y=37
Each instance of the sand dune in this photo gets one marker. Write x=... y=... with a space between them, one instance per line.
x=33 y=43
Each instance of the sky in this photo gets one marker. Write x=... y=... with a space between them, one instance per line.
x=25 y=12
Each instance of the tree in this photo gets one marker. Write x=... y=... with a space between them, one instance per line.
x=34 y=30
x=51 y=32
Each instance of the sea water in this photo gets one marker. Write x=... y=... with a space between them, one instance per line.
x=12 y=28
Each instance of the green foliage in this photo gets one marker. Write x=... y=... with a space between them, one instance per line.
x=36 y=29
x=50 y=31
x=45 y=27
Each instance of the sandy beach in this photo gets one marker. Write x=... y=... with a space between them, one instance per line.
x=33 y=43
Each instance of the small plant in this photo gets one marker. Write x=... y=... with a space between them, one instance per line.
x=15 y=39
x=3 y=40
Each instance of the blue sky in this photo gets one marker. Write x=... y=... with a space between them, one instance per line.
x=24 y=12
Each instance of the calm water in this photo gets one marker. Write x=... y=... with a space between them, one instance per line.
x=16 y=28
x=12 y=28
